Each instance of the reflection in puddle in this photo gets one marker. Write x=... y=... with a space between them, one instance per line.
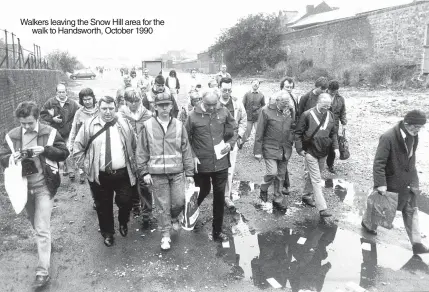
x=312 y=257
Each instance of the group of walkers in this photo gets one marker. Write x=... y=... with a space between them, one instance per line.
x=139 y=147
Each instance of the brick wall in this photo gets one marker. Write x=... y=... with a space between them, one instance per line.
x=21 y=85
x=394 y=32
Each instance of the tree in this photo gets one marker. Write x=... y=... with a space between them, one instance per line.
x=62 y=60
x=252 y=45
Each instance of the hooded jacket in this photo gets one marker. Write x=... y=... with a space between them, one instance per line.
x=205 y=130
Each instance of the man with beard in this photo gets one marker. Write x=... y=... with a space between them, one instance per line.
x=314 y=135
x=237 y=110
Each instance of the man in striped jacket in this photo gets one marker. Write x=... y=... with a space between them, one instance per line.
x=164 y=158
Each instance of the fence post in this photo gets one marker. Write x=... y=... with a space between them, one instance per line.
x=20 y=54
x=13 y=50
x=7 y=50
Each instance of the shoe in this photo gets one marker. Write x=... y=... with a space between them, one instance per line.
x=325 y=213
x=165 y=243
x=175 y=225
x=419 y=248
x=220 y=236
x=82 y=178
x=229 y=203
x=41 y=281
x=123 y=229
x=136 y=211
x=370 y=231
x=332 y=170
x=285 y=191
x=263 y=195
x=309 y=202
x=72 y=176
x=109 y=241
x=279 y=206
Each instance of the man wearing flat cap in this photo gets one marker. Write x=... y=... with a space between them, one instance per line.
x=395 y=170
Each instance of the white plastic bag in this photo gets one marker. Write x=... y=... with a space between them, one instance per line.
x=16 y=185
x=190 y=215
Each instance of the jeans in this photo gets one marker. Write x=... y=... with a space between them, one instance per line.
x=39 y=209
x=219 y=179
x=232 y=159
x=135 y=199
x=250 y=125
x=145 y=192
x=119 y=183
x=313 y=180
x=169 y=196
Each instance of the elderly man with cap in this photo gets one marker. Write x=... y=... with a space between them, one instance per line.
x=164 y=158
x=394 y=170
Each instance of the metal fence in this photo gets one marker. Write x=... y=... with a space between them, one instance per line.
x=14 y=56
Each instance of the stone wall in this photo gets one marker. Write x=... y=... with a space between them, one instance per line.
x=21 y=85
x=397 y=32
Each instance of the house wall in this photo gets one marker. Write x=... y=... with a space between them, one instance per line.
x=397 y=32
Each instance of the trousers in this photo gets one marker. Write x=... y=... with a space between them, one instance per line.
x=313 y=180
x=232 y=160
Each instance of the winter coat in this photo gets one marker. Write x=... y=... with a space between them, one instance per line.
x=80 y=117
x=52 y=108
x=160 y=152
x=338 y=108
x=306 y=102
x=273 y=138
x=57 y=152
x=206 y=130
x=90 y=162
x=253 y=102
x=392 y=167
x=324 y=138
x=137 y=124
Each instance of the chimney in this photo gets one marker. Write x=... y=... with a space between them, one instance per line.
x=310 y=9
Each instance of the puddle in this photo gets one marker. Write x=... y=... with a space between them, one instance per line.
x=312 y=257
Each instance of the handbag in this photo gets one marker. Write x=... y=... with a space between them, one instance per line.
x=15 y=184
x=343 y=146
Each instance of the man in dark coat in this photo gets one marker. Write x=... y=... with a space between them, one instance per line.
x=309 y=100
x=273 y=143
x=395 y=170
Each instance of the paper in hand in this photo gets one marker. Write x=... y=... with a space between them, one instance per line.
x=218 y=148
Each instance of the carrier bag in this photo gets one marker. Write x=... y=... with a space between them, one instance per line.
x=381 y=209
x=192 y=210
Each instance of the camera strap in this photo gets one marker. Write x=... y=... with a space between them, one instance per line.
x=9 y=143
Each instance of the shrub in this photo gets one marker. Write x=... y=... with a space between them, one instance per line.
x=281 y=70
x=313 y=73
x=387 y=72
x=353 y=74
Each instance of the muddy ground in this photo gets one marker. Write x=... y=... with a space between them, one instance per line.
x=333 y=254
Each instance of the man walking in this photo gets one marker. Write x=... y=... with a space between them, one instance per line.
x=43 y=147
x=338 y=108
x=273 y=143
x=206 y=130
x=314 y=135
x=253 y=102
x=309 y=100
x=146 y=82
x=137 y=114
x=105 y=148
x=222 y=73
x=394 y=170
x=59 y=112
x=164 y=157
x=236 y=110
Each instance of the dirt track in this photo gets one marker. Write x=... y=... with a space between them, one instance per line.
x=81 y=262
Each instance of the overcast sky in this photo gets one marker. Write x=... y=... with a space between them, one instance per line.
x=189 y=24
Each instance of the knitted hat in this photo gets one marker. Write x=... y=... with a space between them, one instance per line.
x=415 y=117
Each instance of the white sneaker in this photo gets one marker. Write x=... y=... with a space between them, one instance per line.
x=165 y=243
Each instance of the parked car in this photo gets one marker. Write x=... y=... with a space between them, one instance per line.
x=84 y=73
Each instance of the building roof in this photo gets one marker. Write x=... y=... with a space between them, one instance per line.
x=323 y=17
